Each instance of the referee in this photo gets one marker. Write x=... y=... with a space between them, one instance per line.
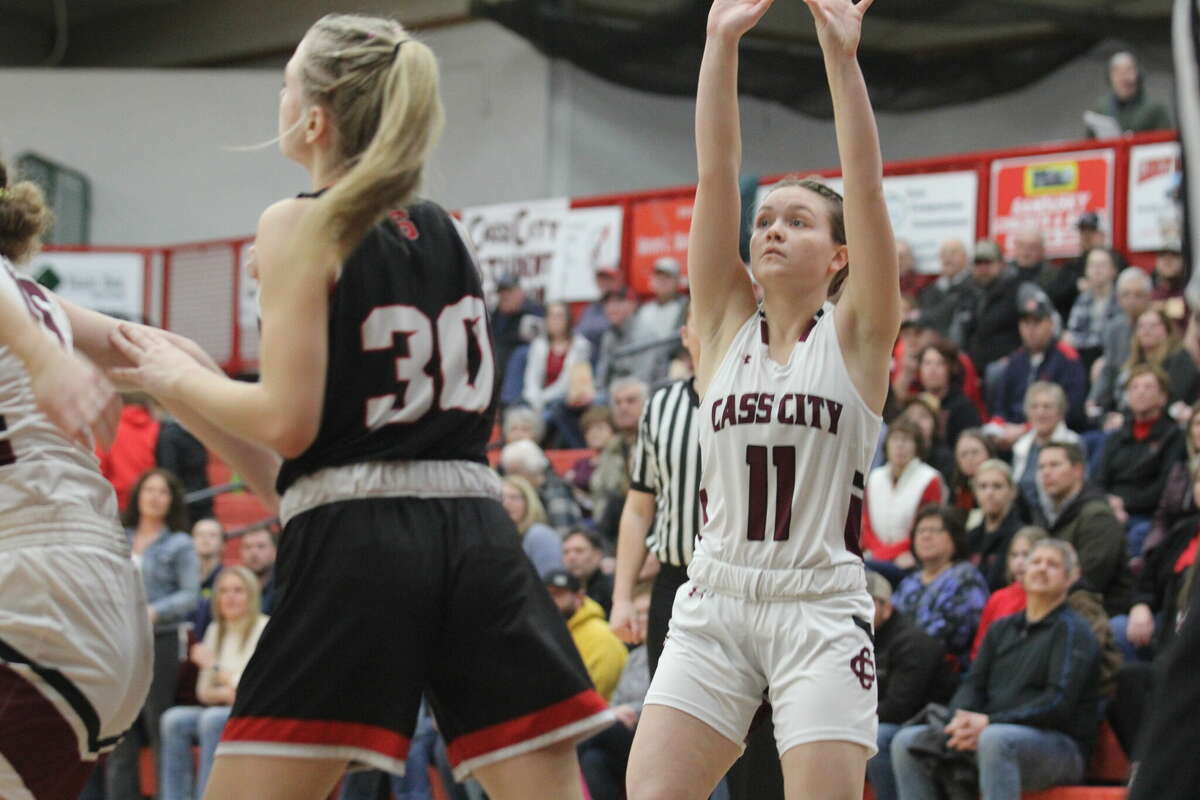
x=662 y=509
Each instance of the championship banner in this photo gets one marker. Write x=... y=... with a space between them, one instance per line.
x=519 y=239
x=659 y=228
x=589 y=240
x=1153 y=218
x=111 y=283
x=1050 y=192
x=925 y=210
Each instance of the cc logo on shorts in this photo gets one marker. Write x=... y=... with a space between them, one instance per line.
x=863 y=668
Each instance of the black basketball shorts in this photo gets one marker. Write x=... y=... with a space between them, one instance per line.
x=381 y=600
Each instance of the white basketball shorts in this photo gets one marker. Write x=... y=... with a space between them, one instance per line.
x=75 y=663
x=811 y=658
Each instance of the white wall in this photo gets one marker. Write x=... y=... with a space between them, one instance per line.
x=519 y=127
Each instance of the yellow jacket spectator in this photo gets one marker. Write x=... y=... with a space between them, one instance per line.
x=602 y=652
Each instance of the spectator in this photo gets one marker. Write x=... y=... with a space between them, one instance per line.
x=521 y=424
x=597 y=427
x=1138 y=456
x=1081 y=514
x=611 y=363
x=946 y=595
x=132 y=451
x=993 y=327
x=602 y=652
x=1155 y=343
x=1028 y=708
x=940 y=374
x=1126 y=103
x=911 y=671
x=1029 y=254
x=156 y=523
x=894 y=493
x=1011 y=598
x=221 y=657
x=1059 y=280
x=176 y=450
x=658 y=320
x=971 y=450
x=603 y=757
x=1177 y=499
x=552 y=355
x=911 y=281
x=582 y=556
x=208 y=537
x=1040 y=358
x=258 y=550
x=943 y=301
x=988 y=542
x=1156 y=611
x=915 y=335
x=1171 y=276
x=923 y=410
x=1133 y=295
x=593 y=322
x=526 y=460
x=1096 y=308
x=610 y=482
x=1045 y=409
x=539 y=541
x=515 y=322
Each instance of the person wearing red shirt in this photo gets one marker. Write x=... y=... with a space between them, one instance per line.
x=132 y=450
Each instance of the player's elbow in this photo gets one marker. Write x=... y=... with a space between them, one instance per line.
x=291 y=435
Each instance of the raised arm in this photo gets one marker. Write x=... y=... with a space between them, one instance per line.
x=722 y=296
x=868 y=315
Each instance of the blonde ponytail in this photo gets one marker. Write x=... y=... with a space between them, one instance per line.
x=24 y=218
x=382 y=89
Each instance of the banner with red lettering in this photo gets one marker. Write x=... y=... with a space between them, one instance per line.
x=658 y=228
x=1153 y=216
x=518 y=239
x=1049 y=192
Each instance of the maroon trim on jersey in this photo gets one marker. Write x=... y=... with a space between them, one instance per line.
x=317 y=732
x=853 y=532
x=40 y=745
x=7 y=454
x=765 y=333
x=704 y=504
x=530 y=726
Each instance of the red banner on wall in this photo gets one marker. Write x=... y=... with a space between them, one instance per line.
x=1049 y=192
x=658 y=228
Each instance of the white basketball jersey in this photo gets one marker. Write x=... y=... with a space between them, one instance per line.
x=785 y=449
x=48 y=484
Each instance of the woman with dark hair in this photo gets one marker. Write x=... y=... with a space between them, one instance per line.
x=946 y=595
x=972 y=449
x=156 y=524
x=1000 y=513
x=552 y=355
x=925 y=411
x=1155 y=342
x=941 y=375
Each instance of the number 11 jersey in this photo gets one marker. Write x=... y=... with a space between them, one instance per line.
x=785 y=451
x=411 y=372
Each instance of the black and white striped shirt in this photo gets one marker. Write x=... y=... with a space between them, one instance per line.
x=666 y=464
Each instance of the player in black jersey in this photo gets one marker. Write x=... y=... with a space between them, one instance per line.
x=398 y=571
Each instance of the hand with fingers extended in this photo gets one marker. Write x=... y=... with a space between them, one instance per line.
x=839 y=24
x=158 y=363
x=733 y=18
x=76 y=397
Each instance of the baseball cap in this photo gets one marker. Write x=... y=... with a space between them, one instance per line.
x=987 y=250
x=1035 y=307
x=561 y=579
x=667 y=266
x=615 y=294
x=1088 y=221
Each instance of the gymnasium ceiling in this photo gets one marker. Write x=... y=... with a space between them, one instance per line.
x=916 y=53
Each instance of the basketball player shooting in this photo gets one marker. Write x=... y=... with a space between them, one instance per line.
x=776 y=604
